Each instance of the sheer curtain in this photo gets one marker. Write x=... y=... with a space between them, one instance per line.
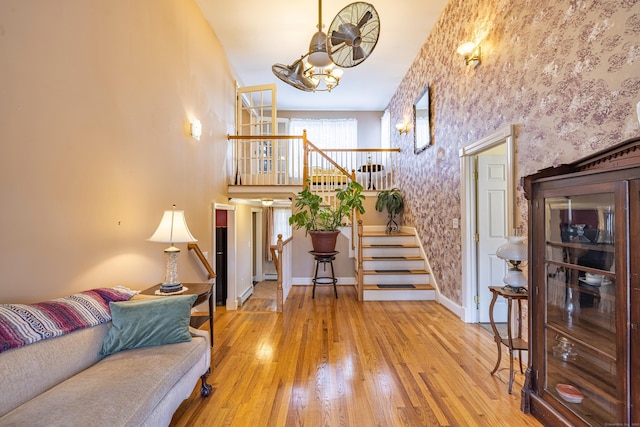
x=277 y=223
x=327 y=133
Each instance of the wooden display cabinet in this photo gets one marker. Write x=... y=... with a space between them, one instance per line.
x=584 y=290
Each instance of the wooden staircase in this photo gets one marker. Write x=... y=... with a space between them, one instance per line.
x=394 y=268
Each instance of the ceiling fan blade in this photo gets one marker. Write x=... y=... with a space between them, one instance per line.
x=338 y=37
x=347 y=33
x=365 y=18
x=358 y=53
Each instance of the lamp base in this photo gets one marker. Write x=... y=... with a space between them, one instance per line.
x=516 y=289
x=171 y=283
x=170 y=288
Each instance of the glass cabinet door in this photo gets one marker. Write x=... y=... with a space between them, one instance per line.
x=580 y=322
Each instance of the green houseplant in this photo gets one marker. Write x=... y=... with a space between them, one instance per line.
x=320 y=221
x=393 y=201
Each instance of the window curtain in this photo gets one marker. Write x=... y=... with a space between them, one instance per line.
x=269 y=232
x=277 y=223
x=327 y=133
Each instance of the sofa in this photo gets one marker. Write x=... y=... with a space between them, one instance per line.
x=133 y=368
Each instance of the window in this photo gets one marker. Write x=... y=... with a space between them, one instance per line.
x=385 y=130
x=327 y=133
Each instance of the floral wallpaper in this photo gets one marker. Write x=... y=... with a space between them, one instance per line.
x=565 y=73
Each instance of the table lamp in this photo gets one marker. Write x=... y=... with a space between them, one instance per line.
x=514 y=252
x=172 y=229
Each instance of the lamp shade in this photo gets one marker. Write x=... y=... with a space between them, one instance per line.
x=172 y=229
x=513 y=250
x=318 y=55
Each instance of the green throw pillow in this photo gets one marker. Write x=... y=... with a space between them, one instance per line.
x=147 y=322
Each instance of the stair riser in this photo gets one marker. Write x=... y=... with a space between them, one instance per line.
x=388 y=240
x=379 y=279
x=393 y=265
x=399 y=295
x=381 y=252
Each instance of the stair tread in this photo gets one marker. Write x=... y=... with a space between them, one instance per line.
x=416 y=287
x=394 y=271
x=385 y=234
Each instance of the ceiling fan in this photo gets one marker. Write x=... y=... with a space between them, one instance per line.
x=294 y=75
x=353 y=34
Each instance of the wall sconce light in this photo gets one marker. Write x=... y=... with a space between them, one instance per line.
x=471 y=53
x=196 y=129
x=638 y=111
x=403 y=128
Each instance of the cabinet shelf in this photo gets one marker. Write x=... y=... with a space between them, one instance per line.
x=601 y=247
x=587 y=411
x=580 y=329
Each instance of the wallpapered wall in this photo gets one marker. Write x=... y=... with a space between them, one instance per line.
x=566 y=73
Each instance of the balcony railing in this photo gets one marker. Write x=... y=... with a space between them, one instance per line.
x=294 y=160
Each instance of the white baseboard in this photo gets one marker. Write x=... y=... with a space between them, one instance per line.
x=245 y=295
x=450 y=305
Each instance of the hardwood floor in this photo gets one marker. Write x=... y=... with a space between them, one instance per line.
x=338 y=362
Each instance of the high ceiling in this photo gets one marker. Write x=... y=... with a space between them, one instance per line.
x=256 y=34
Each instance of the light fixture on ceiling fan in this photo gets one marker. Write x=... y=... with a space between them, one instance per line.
x=353 y=35
x=318 y=55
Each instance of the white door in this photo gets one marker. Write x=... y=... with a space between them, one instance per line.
x=492 y=232
x=256 y=115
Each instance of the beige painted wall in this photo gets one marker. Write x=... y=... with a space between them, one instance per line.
x=94 y=109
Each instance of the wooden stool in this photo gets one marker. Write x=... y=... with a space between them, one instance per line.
x=324 y=259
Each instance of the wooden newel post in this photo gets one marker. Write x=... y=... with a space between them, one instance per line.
x=305 y=159
x=278 y=263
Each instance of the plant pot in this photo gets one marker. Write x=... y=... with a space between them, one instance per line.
x=324 y=241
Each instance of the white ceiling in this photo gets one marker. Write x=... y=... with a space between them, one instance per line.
x=256 y=34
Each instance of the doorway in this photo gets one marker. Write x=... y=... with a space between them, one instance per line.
x=225 y=254
x=488 y=216
x=491 y=223
x=221 y=257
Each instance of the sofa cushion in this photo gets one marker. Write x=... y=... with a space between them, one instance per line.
x=121 y=390
x=33 y=369
x=148 y=322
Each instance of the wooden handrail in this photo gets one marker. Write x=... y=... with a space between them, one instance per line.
x=359 y=275
x=194 y=247
x=308 y=144
x=276 y=252
x=361 y=150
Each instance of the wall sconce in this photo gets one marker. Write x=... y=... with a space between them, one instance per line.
x=471 y=53
x=196 y=129
x=403 y=128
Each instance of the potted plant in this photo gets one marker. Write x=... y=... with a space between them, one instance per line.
x=320 y=221
x=393 y=202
